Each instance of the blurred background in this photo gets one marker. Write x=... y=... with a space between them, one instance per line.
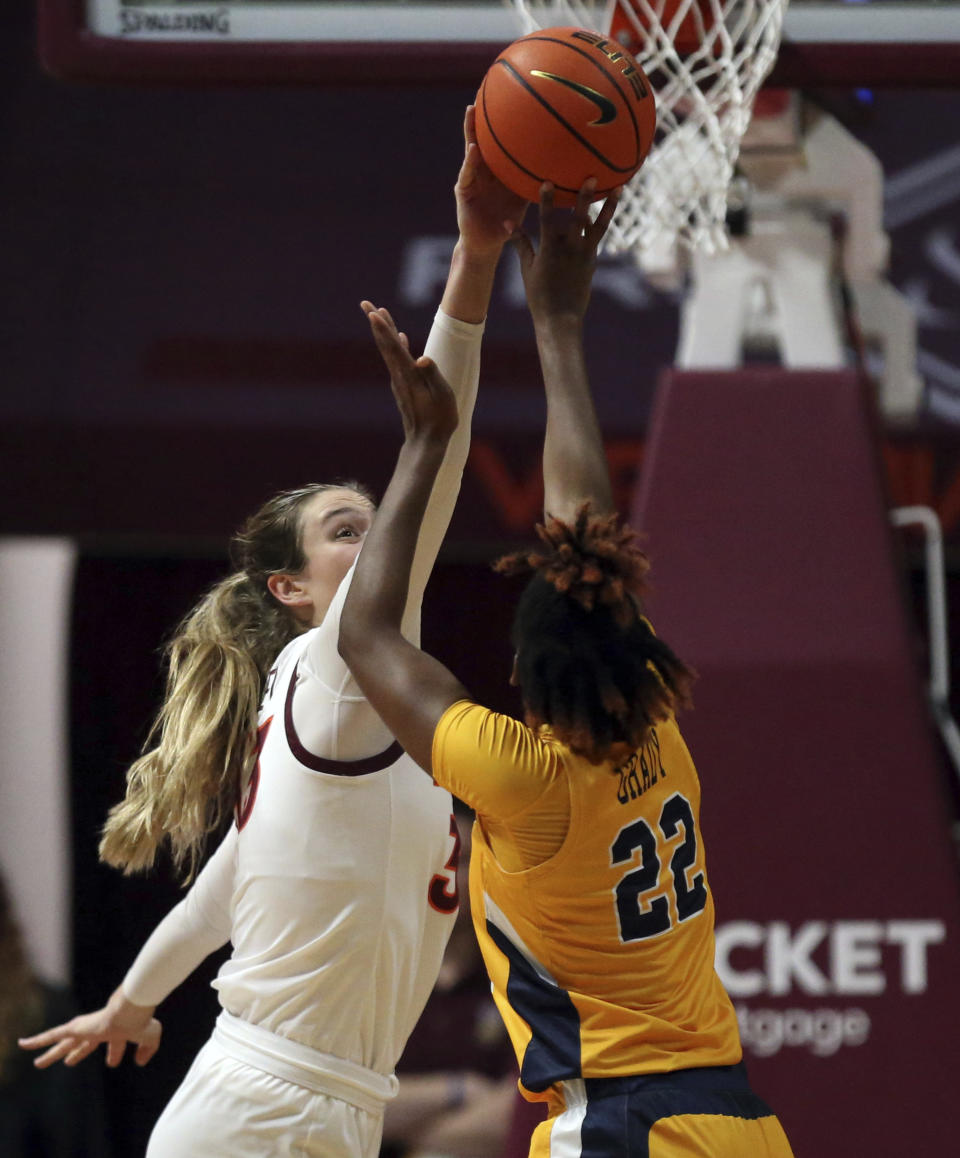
x=181 y=267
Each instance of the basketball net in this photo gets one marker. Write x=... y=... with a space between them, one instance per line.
x=706 y=60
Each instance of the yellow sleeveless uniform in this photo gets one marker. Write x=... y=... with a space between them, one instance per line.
x=593 y=910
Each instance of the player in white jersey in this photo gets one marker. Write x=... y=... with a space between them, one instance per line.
x=336 y=883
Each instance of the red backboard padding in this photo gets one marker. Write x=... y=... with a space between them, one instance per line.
x=824 y=817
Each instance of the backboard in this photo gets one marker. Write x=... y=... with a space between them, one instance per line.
x=847 y=43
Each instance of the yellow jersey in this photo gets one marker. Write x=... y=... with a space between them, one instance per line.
x=590 y=900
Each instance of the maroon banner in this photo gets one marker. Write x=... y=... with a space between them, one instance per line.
x=827 y=834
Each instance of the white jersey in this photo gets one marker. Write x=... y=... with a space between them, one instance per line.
x=336 y=943
x=336 y=885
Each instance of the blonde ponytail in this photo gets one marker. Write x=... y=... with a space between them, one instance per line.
x=202 y=745
x=205 y=733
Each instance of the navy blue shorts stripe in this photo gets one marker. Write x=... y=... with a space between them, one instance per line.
x=622 y=1111
x=553 y=1053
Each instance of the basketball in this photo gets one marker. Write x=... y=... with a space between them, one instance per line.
x=563 y=105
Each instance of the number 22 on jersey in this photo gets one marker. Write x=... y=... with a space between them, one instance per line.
x=643 y=906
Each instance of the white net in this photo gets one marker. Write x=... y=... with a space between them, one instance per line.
x=706 y=60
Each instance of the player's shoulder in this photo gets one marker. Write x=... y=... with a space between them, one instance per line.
x=468 y=715
x=292 y=651
x=496 y=735
x=281 y=670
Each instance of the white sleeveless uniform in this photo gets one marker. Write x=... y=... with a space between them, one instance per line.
x=336 y=887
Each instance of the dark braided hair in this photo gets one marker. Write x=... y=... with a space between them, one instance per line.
x=588 y=662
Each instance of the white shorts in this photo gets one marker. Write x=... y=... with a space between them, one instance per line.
x=251 y=1094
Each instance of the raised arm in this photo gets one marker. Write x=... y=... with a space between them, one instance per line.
x=487 y=216
x=409 y=689
x=557 y=278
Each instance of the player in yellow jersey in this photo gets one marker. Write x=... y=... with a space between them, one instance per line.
x=588 y=882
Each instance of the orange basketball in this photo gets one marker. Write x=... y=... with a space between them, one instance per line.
x=562 y=105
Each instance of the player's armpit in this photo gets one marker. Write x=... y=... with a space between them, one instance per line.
x=410 y=691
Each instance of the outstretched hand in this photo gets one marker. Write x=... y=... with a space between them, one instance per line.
x=426 y=403
x=119 y=1022
x=557 y=276
x=487 y=212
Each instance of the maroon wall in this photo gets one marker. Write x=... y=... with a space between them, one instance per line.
x=181 y=269
x=824 y=816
